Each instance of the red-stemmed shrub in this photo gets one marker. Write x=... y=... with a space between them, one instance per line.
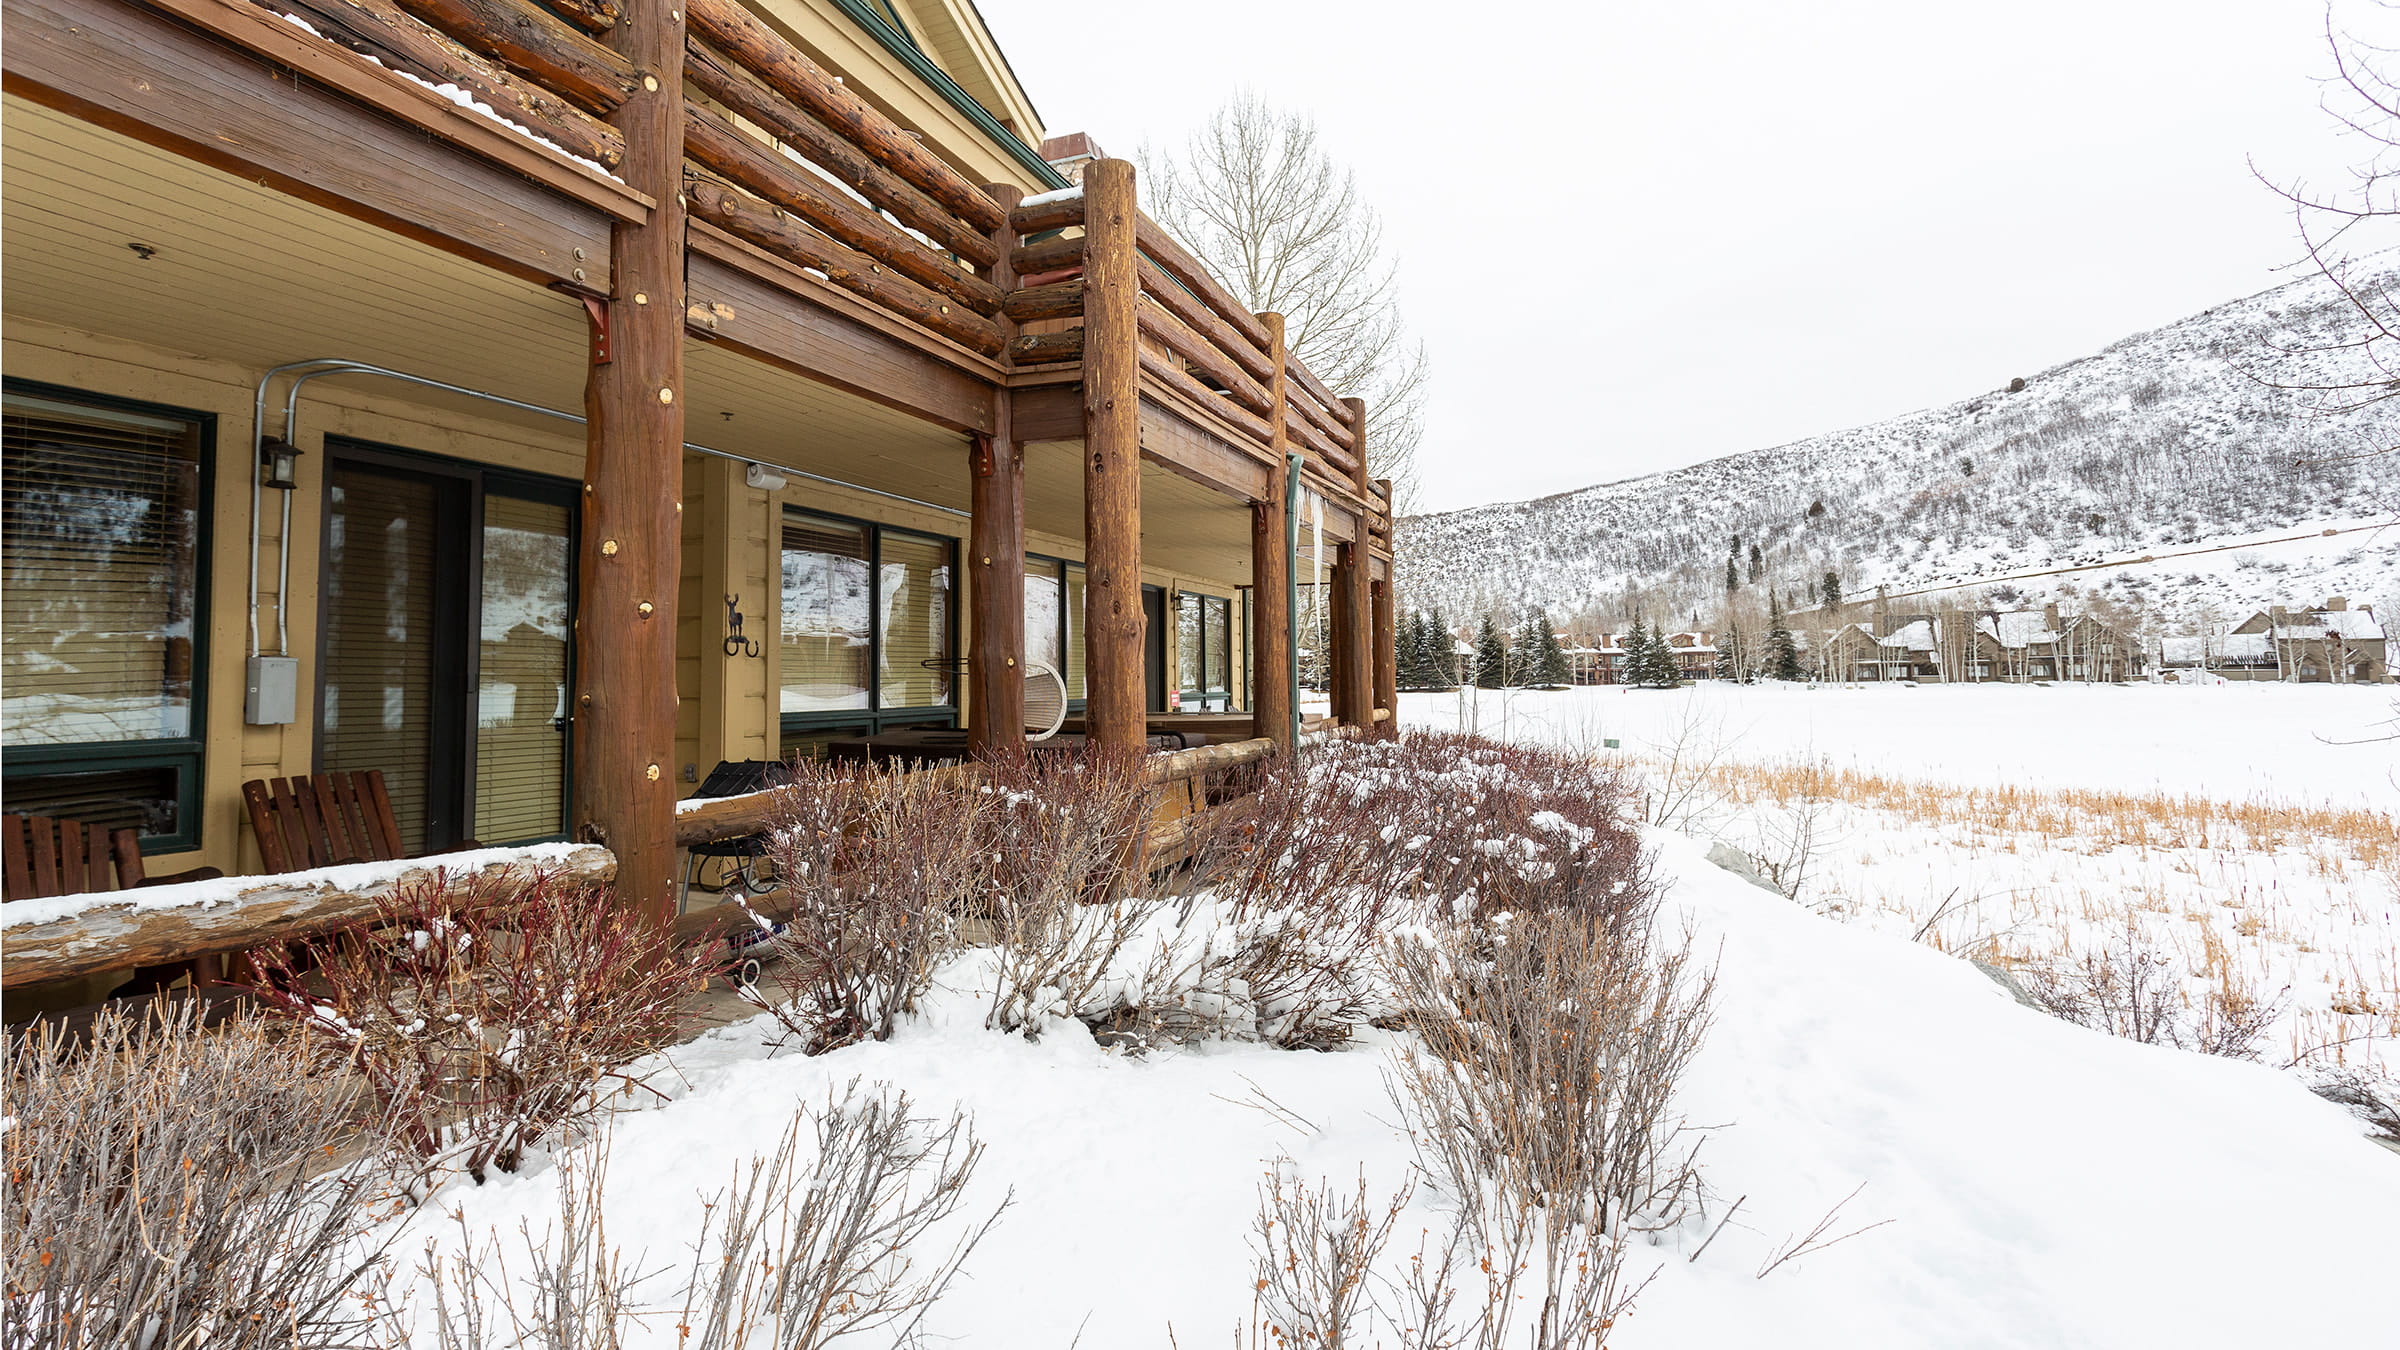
x=488 y=1011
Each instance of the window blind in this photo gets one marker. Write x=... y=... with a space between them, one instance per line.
x=825 y=633
x=1073 y=670
x=379 y=635
x=100 y=556
x=915 y=641
x=1188 y=674
x=1216 y=638
x=521 y=695
x=1044 y=634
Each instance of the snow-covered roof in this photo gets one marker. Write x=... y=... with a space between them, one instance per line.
x=2017 y=628
x=1915 y=636
x=2358 y=625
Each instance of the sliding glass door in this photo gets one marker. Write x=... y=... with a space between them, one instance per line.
x=444 y=643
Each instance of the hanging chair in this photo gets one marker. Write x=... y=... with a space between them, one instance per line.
x=1045 y=702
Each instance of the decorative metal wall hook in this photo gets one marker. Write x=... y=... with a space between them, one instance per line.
x=735 y=643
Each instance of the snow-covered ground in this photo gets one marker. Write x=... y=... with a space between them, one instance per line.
x=2044 y=1186
x=2300 y=742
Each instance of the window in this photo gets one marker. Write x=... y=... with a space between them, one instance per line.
x=868 y=629
x=101 y=643
x=1054 y=619
x=444 y=634
x=1204 y=644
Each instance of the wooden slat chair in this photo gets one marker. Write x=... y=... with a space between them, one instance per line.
x=44 y=856
x=322 y=821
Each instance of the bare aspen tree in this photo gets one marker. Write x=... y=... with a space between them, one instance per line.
x=2341 y=226
x=1256 y=196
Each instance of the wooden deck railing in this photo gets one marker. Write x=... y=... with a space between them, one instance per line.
x=782 y=156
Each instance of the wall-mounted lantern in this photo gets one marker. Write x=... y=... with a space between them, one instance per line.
x=278 y=464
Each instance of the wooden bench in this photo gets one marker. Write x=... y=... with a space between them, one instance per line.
x=322 y=820
x=44 y=856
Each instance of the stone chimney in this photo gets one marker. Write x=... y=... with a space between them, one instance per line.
x=2279 y=614
x=2337 y=603
x=1070 y=153
x=2050 y=616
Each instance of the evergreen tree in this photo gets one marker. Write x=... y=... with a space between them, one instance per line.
x=1758 y=563
x=1733 y=578
x=1491 y=656
x=1544 y=661
x=1408 y=652
x=1649 y=661
x=1783 y=654
x=1832 y=588
x=1441 y=656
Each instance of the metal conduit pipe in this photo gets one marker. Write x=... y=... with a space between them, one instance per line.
x=333 y=365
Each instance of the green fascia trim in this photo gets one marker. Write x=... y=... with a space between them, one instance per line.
x=897 y=43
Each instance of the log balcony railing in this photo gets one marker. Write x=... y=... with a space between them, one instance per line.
x=782 y=156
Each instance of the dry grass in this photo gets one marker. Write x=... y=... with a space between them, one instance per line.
x=2335 y=837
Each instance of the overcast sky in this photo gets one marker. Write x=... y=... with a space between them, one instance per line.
x=1640 y=235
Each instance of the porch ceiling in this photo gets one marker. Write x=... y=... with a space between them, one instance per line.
x=247 y=274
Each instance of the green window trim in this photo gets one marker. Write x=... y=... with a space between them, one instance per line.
x=185 y=754
x=892 y=40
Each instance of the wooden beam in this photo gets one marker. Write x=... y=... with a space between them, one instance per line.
x=1172 y=297
x=143 y=75
x=1062 y=253
x=1032 y=304
x=753 y=221
x=745 y=159
x=134 y=929
x=996 y=549
x=771 y=310
x=1112 y=468
x=379 y=30
x=632 y=537
x=1050 y=412
x=1036 y=349
x=1176 y=262
x=1385 y=636
x=1198 y=453
x=595 y=76
x=732 y=29
x=724 y=80
x=1062 y=209
x=1272 y=697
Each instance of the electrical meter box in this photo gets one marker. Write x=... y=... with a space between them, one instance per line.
x=273 y=696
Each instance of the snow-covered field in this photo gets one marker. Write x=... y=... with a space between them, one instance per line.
x=2044 y=1186
x=2036 y=1183
x=2301 y=742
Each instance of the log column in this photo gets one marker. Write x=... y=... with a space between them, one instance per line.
x=1112 y=463
x=1272 y=695
x=1353 y=665
x=632 y=548
x=996 y=545
x=1386 y=638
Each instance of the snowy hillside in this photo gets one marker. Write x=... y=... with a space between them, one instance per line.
x=2169 y=442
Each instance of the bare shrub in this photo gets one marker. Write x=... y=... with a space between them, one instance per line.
x=875 y=862
x=1056 y=848
x=486 y=1012
x=1548 y=1052
x=823 y=1240
x=2129 y=988
x=1316 y=1273
x=160 y=1194
x=1540 y=1095
x=1295 y=890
